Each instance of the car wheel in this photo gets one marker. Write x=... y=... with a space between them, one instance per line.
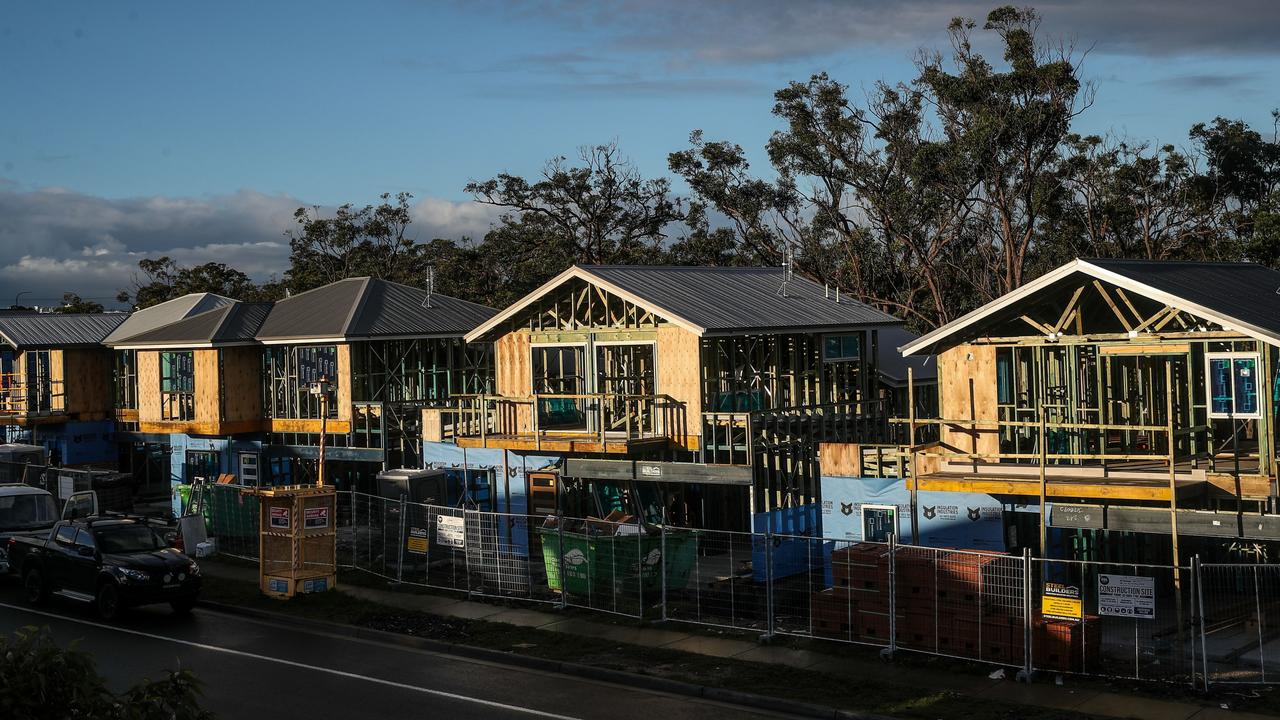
x=34 y=589
x=107 y=601
x=183 y=605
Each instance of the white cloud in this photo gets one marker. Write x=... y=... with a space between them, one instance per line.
x=439 y=218
x=54 y=240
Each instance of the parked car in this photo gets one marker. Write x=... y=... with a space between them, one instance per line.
x=24 y=511
x=112 y=561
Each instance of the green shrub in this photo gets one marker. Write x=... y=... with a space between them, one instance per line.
x=40 y=680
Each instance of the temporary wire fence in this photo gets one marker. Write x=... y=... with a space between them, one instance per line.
x=1196 y=624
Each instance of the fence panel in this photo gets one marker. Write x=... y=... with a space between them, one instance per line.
x=346 y=528
x=1240 y=615
x=832 y=589
x=504 y=559
x=716 y=578
x=958 y=603
x=232 y=517
x=1137 y=621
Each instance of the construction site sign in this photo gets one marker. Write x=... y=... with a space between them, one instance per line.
x=417 y=542
x=279 y=518
x=451 y=531
x=1060 y=602
x=1127 y=596
x=315 y=518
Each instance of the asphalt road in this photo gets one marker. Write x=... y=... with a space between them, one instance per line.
x=253 y=669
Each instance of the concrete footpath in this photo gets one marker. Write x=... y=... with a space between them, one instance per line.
x=1041 y=694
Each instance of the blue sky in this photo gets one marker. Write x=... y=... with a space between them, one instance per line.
x=135 y=128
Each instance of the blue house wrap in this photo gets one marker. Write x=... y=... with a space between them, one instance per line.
x=470 y=467
x=969 y=521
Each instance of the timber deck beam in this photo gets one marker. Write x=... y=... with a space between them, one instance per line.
x=1099 y=488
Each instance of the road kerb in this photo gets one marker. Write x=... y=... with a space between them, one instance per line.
x=618 y=677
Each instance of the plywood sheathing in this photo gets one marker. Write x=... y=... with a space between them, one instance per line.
x=678 y=359
x=513 y=377
x=148 y=386
x=241 y=383
x=86 y=385
x=208 y=403
x=344 y=381
x=967 y=381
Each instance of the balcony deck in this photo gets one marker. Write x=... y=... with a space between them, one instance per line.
x=564 y=442
x=569 y=423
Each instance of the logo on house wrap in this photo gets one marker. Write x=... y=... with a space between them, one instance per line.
x=974 y=513
x=930 y=512
x=846 y=508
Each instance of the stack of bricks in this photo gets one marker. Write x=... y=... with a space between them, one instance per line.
x=1067 y=645
x=857 y=606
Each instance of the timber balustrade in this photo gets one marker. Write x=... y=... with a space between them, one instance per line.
x=602 y=417
x=20 y=397
x=1051 y=441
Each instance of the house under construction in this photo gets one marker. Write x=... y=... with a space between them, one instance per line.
x=695 y=392
x=1101 y=404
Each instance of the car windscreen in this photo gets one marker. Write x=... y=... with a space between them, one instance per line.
x=27 y=511
x=127 y=539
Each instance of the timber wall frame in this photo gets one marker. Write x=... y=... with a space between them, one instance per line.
x=761 y=399
x=1095 y=393
x=42 y=386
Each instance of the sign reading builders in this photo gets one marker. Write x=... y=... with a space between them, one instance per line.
x=418 y=542
x=1060 y=602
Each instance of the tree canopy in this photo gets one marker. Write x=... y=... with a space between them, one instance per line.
x=926 y=198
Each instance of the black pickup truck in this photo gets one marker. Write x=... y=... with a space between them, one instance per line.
x=111 y=561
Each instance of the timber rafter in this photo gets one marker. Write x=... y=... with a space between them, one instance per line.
x=1070 y=322
x=581 y=306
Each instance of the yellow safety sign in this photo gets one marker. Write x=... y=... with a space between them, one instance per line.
x=1060 y=602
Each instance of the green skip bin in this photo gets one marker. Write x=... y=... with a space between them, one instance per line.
x=617 y=564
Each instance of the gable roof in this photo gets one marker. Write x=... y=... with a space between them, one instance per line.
x=714 y=300
x=232 y=324
x=367 y=308
x=38 y=331
x=1242 y=297
x=161 y=314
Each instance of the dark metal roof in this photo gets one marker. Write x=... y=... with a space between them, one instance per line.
x=359 y=308
x=1243 y=297
x=725 y=299
x=893 y=366
x=225 y=325
x=1247 y=292
x=57 y=330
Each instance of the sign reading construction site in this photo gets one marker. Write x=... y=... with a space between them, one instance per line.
x=1127 y=596
x=451 y=531
x=1060 y=602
